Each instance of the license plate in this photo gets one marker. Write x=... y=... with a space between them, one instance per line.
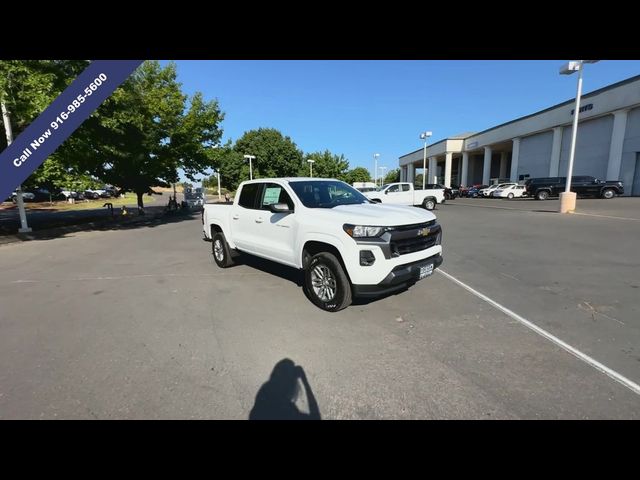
x=426 y=271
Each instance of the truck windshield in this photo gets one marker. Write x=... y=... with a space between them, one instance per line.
x=326 y=193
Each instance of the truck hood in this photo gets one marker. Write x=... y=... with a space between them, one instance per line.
x=375 y=214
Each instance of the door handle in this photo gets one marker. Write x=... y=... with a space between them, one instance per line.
x=236 y=216
x=259 y=220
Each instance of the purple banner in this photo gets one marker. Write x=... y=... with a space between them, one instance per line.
x=60 y=120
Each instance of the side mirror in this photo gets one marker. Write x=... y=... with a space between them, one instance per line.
x=280 y=208
x=386 y=192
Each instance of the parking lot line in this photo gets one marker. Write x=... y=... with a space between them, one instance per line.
x=634 y=387
x=607 y=216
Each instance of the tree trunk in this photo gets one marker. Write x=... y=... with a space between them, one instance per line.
x=140 y=203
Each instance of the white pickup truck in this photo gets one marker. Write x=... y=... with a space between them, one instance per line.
x=403 y=193
x=345 y=244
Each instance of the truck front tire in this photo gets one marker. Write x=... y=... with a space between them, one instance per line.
x=221 y=251
x=608 y=193
x=326 y=283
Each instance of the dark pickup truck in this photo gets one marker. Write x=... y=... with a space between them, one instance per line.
x=543 y=188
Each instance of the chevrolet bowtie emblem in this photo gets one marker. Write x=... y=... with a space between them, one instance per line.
x=423 y=232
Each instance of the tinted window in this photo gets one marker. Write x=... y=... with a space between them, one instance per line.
x=274 y=193
x=326 y=193
x=406 y=187
x=248 y=195
x=582 y=179
x=393 y=189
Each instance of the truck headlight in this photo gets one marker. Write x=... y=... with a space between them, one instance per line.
x=361 y=231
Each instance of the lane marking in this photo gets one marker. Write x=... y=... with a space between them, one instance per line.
x=607 y=216
x=631 y=385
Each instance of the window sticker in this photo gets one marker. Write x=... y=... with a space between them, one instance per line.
x=271 y=195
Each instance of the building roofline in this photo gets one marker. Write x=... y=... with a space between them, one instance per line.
x=428 y=146
x=562 y=104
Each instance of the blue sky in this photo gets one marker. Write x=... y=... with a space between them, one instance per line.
x=359 y=108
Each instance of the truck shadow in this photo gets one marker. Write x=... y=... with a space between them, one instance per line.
x=288 y=273
x=276 y=399
x=296 y=276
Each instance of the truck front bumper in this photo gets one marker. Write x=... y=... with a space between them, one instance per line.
x=400 y=277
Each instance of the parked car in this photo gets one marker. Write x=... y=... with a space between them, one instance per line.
x=33 y=195
x=474 y=192
x=488 y=191
x=91 y=194
x=449 y=193
x=345 y=245
x=511 y=191
x=403 y=193
x=583 y=185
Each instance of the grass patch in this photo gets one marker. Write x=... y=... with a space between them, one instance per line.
x=129 y=199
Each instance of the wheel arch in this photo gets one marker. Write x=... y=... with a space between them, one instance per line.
x=312 y=247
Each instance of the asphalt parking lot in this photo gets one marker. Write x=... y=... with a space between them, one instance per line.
x=140 y=323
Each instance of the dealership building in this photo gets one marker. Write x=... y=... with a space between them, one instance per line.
x=537 y=145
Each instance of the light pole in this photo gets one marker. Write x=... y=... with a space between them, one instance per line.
x=375 y=168
x=311 y=162
x=217 y=145
x=568 y=198
x=424 y=136
x=24 y=226
x=383 y=168
x=250 y=157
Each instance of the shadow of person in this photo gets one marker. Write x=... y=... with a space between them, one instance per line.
x=276 y=398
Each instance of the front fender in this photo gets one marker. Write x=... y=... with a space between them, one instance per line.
x=332 y=240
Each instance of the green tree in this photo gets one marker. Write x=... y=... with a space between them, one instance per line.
x=358 y=174
x=147 y=130
x=276 y=155
x=232 y=166
x=326 y=165
x=138 y=138
x=27 y=87
x=392 y=176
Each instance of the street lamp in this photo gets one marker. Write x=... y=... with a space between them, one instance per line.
x=424 y=136
x=568 y=198
x=311 y=162
x=375 y=168
x=217 y=145
x=250 y=157
x=383 y=168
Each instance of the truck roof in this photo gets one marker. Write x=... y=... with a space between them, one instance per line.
x=291 y=179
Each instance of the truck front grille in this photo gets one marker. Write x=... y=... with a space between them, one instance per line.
x=414 y=243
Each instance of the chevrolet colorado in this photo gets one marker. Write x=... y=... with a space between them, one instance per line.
x=346 y=244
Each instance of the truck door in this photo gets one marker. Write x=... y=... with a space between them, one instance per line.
x=398 y=194
x=277 y=231
x=244 y=229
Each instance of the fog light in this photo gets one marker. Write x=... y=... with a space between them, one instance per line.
x=367 y=258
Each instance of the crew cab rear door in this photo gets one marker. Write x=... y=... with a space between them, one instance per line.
x=244 y=227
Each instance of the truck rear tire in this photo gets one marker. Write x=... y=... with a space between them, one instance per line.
x=221 y=251
x=326 y=283
x=542 y=195
x=429 y=203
